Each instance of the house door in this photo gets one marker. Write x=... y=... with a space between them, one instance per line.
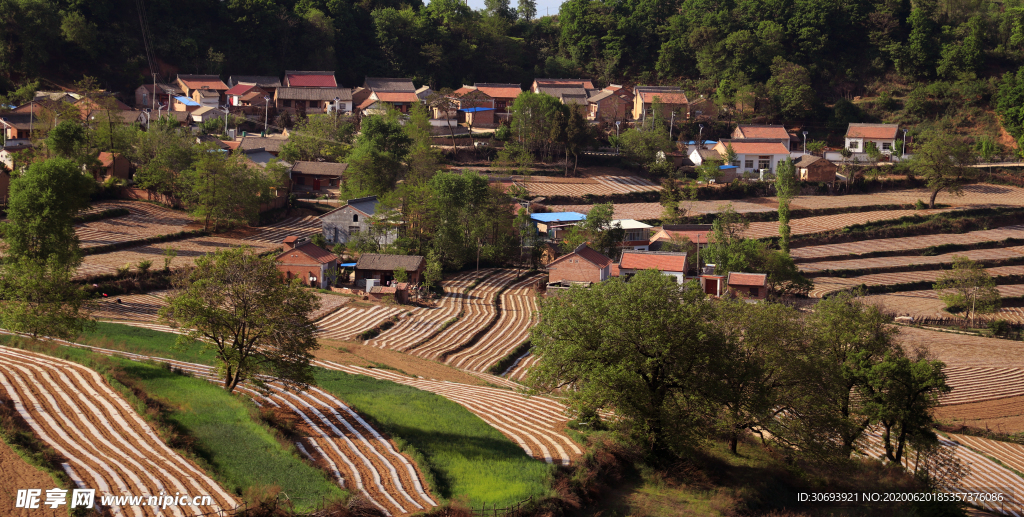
x=316 y=184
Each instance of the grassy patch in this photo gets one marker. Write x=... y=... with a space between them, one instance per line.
x=213 y=427
x=459 y=454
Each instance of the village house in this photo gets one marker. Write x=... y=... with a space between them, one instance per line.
x=270 y=144
x=189 y=84
x=313 y=100
x=207 y=98
x=476 y=108
x=317 y=176
x=672 y=99
x=754 y=156
x=398 y=290
x=236 y=92
x=126 y=117
x=749 y=285
x=682 y=237
x=883 y=136
x=699 y=156
x=184 y=104
x=354 y=217
x=397 y=92
x=204 y=113
x=636 y=235
x=311 y=264
x=267 y=83
x=762 y=132
x=670 y=263
x=9 y=158
x=611 y=104
x=568 y=91
x=144 y=96
x=504 y=96
x=582 y=265
x=19 y=126
x=555 y=224
x=112 y=165
x=381 y=268
x=816 y=169
x=300 y=79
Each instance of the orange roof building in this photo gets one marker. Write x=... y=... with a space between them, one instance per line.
x=306 y=261
x=750 y=285
x=762 y=132
x=882 y=135
x=753 y=155
x=582 y=265
x=672 y=99
x=669 y=263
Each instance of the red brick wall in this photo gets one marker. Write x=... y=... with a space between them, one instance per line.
x=301 y=272
x=572 y=271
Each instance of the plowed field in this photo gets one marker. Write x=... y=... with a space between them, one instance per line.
x=824 y=223
x=188 y=250
x=518 y=308
x=1000 y=416
x=1012 y=252
x=578 y=187
x=851 y=249
x=926 y=304
x=297 y=226
x=16 y=475
x=825 y=285
x=146 y=220
x=107 y=445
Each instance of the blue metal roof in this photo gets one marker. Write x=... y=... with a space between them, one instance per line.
x=723 y=167
x=558 y=217
x=475 y=110
x=186 y=101
x=706 y=142
x=348 y=264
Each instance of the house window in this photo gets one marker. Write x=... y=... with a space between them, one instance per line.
x=754 y=292
x=312 y=104
x=764 y=162
x=355 y=218
x=352 y=230
x=748 y=164
x=854 y=145
x=287 y=103
x=886 y=146
x=336 y=235
x=735 y=163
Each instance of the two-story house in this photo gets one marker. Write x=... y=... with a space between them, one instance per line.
x=190 y=83
x=672 y=99
x=762 y=132
x=397 y=92
x=354 y=217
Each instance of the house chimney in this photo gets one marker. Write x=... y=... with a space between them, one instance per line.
x=290 y=242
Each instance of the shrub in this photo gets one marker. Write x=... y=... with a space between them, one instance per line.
x=920 y=205
x=123 y=270
x=144 y=265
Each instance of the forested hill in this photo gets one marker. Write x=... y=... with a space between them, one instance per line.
x=840 y=46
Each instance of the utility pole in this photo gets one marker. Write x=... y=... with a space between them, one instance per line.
x=805 y=142
x=153 y=107
x=227 y=110
x=266 y=113
x=904 y=153
x=672 y=121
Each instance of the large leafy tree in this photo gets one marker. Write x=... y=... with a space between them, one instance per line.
x=967 y=287
x=377 y=160
x=944 y=162
x=258 y=327
x=319 y=138
x=222 y=189
x=645 y=351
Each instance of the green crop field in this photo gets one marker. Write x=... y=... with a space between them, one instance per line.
x=460 y=455
x=236 y=450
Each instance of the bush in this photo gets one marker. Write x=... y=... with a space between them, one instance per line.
x=503 y=133
x=144 y=265
x=920 y=205
x=123 y=270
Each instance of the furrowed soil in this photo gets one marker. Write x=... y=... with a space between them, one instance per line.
x=358 y=354
x=1001 y=416
x=16 y=474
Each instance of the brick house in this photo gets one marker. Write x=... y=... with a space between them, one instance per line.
x=19 y=126
x=382 y=267
x=306 y=261
x=671 y=98
x=164 y=92
x=317 y=176
x=582 y=265
x=503 y=94
x=815 y=168
x=670 y=263
x=749 y=285
x=303 y=79
x=313 y=100
x=267 y=83
x=112 y=165
x=189 y=83
x=343 y=223
x=609 y=106
x=399 y=92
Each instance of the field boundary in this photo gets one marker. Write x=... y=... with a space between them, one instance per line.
x=118 y=246
x=853 y=273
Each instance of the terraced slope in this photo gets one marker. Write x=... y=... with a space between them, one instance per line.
x=512 y=328
x=829 y=284
x=108 y=446
x=297 y=226
x=919 y=242
x=535 y=423
x=359 y=457
x=145 y=221
x=993 y=254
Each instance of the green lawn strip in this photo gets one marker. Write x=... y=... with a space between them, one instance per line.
x=222 y=436
x=460 y=455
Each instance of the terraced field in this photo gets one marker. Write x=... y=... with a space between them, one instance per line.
x=578 y=187
x=521 y=368
x=347 y=322
x=357 y=455
x=535 y=423
x=512 y=328
x=852 y=249
x=188 y=250
x=145 y=307
x=297 y=226
x=107 y=445
x=977 y=384
x=827 y=284
x=145 y=221
x=824 y=223
x=993 y=254
x=925 y=303
x=984 y=475
x=642 y=211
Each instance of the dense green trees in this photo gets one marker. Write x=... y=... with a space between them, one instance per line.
x=678 y=368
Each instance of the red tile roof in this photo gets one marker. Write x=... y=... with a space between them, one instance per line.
x=778 y=132
x=106 y=159
x=315 y=252
x=197 y=83
x=663 y=261
x=239 y=89
x=666 y=97
x=502 y=93
x=742 y=147
x=397 y=96
x=875 y=131
x=311 y=80
x=464 y=90
x=695 y=236
x=584 y=252
x=748 y=279
x=232 y=144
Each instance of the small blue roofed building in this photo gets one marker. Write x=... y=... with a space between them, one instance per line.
x=179 y=103
x=555 y=224
x=729 y=173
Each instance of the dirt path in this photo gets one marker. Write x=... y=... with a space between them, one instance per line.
x=16 y=474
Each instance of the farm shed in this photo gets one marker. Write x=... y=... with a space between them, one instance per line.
x=382 y=267
x=582 y=265
x=306 y=261
x=400 y=291
x=549 y=223
x=751 y=285
x=668 y=262
x=815 y=168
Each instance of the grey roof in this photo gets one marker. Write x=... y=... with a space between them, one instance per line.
x=709 y=154
x=497 y=85
x=261 y=157
x=208 y=93
x=258 y=142
x=315 y=94
x=19 y=120
x=267 y=81
x=366 y=205
x=389 y=84
x=380 y=262
x=570 y=98
x=806 y=160
x=320 y=168
x=600 y=96
x=559 y=91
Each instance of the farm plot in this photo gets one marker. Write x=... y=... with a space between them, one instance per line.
x=133 y=307
x=1010 y=454
x=297 y=226
x=887 y=262
x=518 y=307
x=145 y=221
x=825 y=285
x=425 y=321
x=578 y=187
x=347 y=322
x=16 y=475
x=107 y=445
x=1000 y=415
x=978 y=384
x=847 y=249
x=984 y=476
x=521 y=368
x=956 y=349
x=926 y=304
x=358 y=456
x=825 y=223
x=188 y=250
x=477 y=312
x=535 y=423
x=644 y=211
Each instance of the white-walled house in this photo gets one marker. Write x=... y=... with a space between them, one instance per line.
x=883 y=135
x=754 y=155
x=636 y=236
x=669 y=263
